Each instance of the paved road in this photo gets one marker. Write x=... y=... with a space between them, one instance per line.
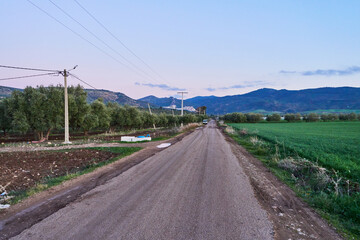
x=193 y=190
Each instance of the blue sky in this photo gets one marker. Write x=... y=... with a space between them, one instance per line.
x=206 y=47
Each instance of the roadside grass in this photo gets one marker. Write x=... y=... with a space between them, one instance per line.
x=314 y=159
x=98 y=138
x=173 y=133
x=49 y=182
x=78 y=140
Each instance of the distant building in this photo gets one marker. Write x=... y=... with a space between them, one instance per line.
x=170 y=107
x=189 y=108
x=186 y=108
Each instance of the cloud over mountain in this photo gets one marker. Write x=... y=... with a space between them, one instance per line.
x=161 y=86
x=326 y=72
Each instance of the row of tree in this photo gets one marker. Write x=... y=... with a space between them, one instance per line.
x=41 y=110
x=243 y=117
x=311 y=117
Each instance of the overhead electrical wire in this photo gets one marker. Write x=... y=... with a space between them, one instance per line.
x=79 y=35
x=102 y=41
x=52 y=72
x=28 y=76
x=94 y=45
x=73 y=75
x=116 y=38
x=25 y=68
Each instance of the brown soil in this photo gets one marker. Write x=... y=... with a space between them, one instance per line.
x=291 y=217
x=22 y=170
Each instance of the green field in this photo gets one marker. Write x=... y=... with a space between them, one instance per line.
x=298 y=152
x=334 y=145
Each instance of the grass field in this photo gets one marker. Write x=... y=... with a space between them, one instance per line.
x=334 y=146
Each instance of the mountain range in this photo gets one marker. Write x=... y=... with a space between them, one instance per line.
x=271 y=100
x=265 y=99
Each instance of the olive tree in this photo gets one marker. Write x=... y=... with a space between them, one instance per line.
x=99 y=109
x=78 y=107
x=5 y=118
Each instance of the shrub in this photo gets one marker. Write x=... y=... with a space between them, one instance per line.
x=312 y=117
x=273 y=118
x=254 y=117
x=347 y=117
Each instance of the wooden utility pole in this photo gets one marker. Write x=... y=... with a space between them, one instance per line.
x=67 y=138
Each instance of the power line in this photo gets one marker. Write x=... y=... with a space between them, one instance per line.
x=73 y=75
x=116 y=38
x=102 y=41
x=28 y=76
x=32 y=69
x=77 y=34
x=55 y=72
x=58 y=21
x=44 y=74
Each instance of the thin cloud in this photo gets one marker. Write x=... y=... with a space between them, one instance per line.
x=287 y=72
x=246 y=84
x=233 y=87
x=326 y=72
x=176 y=96
x=211 y=89
x=161 y=86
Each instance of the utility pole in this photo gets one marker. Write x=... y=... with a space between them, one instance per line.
x=151 y=114
x=67 y=140
x=67 y=137
x=149 y=109
x=182 y=102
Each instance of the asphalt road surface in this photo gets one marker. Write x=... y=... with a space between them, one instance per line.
x=195 y=189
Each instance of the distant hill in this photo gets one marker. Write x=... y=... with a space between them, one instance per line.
x=6 y=91
x=271 y=100
x=93 y=94
x=163 y=102
x=110 y=96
